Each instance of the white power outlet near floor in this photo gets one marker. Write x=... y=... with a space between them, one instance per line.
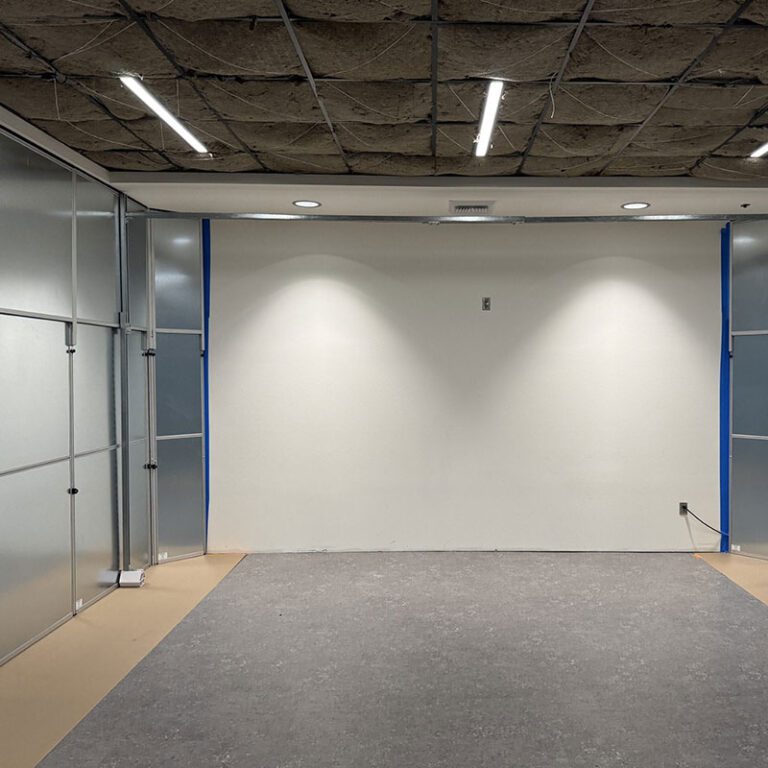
x=735 y=547
x=162 y=556
x=79 y=604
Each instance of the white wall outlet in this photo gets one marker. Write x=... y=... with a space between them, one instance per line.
x=79 y=604
x=162 y=556
x=735 y=547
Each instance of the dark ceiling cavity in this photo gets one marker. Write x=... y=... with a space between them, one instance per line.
x=395 y=87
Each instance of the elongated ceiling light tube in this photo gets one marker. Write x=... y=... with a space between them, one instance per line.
x=760 y=151
x=488 y=120
x=135 y=85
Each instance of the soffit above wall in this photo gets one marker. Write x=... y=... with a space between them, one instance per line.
x=244 y=193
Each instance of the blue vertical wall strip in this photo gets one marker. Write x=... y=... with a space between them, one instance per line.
x=725 y=386
x=206 y=318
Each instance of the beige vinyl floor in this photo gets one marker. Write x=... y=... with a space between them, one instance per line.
x=46 y=690
x=50 y=687
x=750 y=573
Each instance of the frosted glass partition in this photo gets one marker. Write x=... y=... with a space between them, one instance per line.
x=94 y=396
x=178 y=273
x=60 y=304
x=749 y=388
x=749 y=302
x=137 y=448
x=35 y=553
x=97 y=262
x=139 y=519
x=181 y=527
x=179 y=392
x=750 y=385
x=136 y=386
x=36 y=225
x=177 y=261
x=749 y=481
x=138 y=272
x=85 y=379
x=34 y=382
x=96 y=524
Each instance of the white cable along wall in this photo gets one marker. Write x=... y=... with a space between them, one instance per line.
x=362 y=400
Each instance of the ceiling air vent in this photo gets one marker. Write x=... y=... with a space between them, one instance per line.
x=471 y=207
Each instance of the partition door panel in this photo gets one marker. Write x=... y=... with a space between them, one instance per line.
x=96 y=538
x=36 y=222
x=35 y=553
x=749 y=398
x=34 y=381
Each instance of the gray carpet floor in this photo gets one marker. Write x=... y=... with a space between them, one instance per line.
x=449 y=660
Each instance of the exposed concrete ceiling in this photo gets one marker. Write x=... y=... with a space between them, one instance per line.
x=594 y=88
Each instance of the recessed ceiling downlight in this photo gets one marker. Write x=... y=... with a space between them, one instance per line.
x=306 y=203
x=635 y=206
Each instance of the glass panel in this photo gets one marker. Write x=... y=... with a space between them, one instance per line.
x=35 y=556
x=36 y=222
x=137 y=386
x=750 y=276
x=750 y=385
x=178 y=379
x=180 y=520
x=137 y=272
x=749 y=512
x=97 y=280
x=95 y=523
x=178 y=273
x=34 y=382
x=138 y=488
x=94 y=388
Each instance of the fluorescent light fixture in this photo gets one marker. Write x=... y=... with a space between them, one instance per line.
x=306 y=203
x=135 y=85
x=635 y=206
x=488 y=120
x=760 y=151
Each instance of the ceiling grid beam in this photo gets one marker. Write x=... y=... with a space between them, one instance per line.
x=555 y=83
x=311 y=79
x=434 y=50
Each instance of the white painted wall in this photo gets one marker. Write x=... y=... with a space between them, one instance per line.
x=362 y=400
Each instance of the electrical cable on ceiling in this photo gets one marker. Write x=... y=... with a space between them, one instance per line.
x=711 y=527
